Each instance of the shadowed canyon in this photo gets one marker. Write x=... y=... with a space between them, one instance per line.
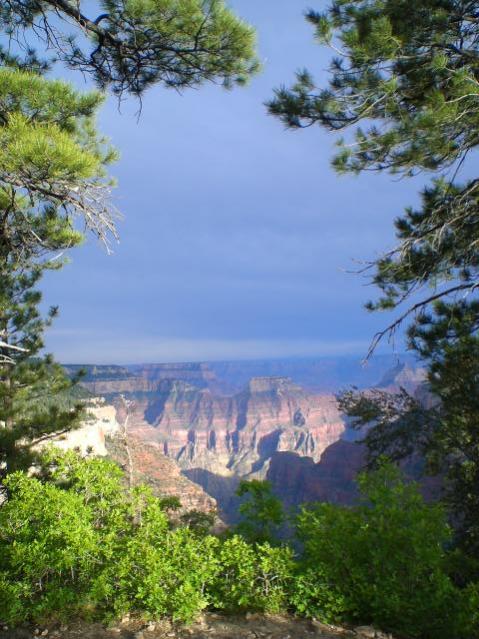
x=194 y=430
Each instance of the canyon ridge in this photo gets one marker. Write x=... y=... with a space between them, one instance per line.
x=194 y=430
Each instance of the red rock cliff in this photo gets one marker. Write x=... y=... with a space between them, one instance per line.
x=238 y=434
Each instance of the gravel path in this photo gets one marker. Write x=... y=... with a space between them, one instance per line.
x=209 y=626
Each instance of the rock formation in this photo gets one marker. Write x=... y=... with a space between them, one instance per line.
x=150 y=466
x=216 y=440
x=92 y=435
x=186 y=423
x=238 y=434
x=103 y=435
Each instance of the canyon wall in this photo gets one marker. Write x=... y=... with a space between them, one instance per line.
x=100 y=424
x=216 y=440
x=103 y=435
x=234 y=435
x=186 y=423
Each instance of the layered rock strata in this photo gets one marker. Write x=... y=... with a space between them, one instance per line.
x=91 y=437
x=146 y=464
x=238 y=434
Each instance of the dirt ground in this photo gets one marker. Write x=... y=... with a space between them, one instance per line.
x=209 y=626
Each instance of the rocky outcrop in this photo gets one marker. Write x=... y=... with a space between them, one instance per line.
x=238 y=434
x=91 y=437
x=403 y=376
x=151 y=467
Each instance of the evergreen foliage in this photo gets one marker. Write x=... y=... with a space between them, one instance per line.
x=52 y=165
x=410 y=74
x=403 y=86
x=133 y=44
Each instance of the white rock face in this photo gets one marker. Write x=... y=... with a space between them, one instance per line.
x=91 y=436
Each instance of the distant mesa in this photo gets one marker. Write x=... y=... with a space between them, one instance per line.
x=197 y=428
x=321 y=375
x=403 y=376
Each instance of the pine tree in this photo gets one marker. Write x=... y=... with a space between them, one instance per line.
x=133 y=44
x=404 y=85
x=53 y=164
x=50 y=157
x=36 y=399
x=52 y=167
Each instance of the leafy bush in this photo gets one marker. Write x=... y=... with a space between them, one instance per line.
x=79 y=543
x=261 y=513
x=312 y=595
x=252 y=577
x=165 y=572
x=382 y=562
x=74 y=541
x=48 y=545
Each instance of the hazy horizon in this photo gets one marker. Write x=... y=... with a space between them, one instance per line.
x=401 y=357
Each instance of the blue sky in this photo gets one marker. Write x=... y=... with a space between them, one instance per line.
x=238 y=239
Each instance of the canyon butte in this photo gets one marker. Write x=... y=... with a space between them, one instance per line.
x=195 y=430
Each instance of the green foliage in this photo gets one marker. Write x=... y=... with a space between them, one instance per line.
x=74 y=541
x=400 y=68
x=34 y=391
x=444 y=432
x=48 y=544
x=262 y=512
x=78 y=542
x=313 y=595
x=164 y=572
x=382 y=562
x=52 y=166
x=252 y=577
x=409 y=73
x=133 y=44
x=404 y=86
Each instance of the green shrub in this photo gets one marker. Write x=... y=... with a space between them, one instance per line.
x=252 y=577
x=80 y=543
x=312 y=595
x=48 y=546
x=75 y=541
x=165 y=572
x=261 y=512
x=382 y=562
